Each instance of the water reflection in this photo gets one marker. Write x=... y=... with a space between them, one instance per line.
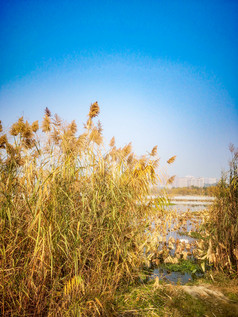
x=184 y=240
x=172 y=277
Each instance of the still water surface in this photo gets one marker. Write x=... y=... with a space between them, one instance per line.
x=178 y=277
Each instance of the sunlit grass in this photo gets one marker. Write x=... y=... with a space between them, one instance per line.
x=74 y=220
x=221 y=224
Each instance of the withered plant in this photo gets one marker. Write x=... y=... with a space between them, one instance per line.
x=74 y=219
x=222 y=221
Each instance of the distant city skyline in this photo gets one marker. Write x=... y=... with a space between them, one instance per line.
x=188 y=181
x=163 y=72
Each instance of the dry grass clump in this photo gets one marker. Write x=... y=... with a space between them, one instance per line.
x=222 y=222
x=73 y=219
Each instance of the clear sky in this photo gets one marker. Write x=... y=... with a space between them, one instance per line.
x=164 y=72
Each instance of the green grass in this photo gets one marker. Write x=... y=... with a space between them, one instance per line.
x=192 y=234
x=184 y=266
x=159 y=299
x=141 y=300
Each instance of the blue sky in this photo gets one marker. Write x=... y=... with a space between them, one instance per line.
x=163 y=72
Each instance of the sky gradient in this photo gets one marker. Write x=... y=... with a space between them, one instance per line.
x=163 y=72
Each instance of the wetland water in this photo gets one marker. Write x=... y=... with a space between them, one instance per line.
x=183 y=204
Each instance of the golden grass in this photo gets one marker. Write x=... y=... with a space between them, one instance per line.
x=73 y=219
x=222 y=221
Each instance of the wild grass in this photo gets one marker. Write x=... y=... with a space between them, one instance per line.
x=221 y=226
x=74 y=220
x=161 y=299
x=184 y=266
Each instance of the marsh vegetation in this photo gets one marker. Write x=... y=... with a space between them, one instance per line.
x=74 y=222
x=78 y=231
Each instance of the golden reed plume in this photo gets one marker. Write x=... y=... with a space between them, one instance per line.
x=154 y=151
x=35 y=126
x=3 y=141
x=112 y=142
x=72 y=127
x=46 y=124
x=171 y=179
x=94 y=110
x=171 y=160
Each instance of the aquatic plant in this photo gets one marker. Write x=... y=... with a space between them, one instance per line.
x=221 y=248
x=74 y=218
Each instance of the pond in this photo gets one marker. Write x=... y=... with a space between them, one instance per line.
x=175 y=234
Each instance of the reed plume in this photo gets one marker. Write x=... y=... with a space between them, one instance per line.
x=46 y=124
x=18 y=127
x=35 y=126
x=56 y=136
x=154 y=151
x=57 y=120
x=73 y=128
x=14 y=129
x=112 y=142
x=47 y=112
x=94 y=110
x=3 y=141
x=171 y=160
x=126 y=150
x=171 y=180
x=27 y=132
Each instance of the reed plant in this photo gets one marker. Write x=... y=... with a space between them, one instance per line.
x=74 y=219
x=222 y=221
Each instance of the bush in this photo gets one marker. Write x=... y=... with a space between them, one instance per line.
x=74 y=220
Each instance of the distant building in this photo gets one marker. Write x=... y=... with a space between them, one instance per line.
x=189 y=181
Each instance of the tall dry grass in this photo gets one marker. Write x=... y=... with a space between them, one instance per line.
x=73 y=218
x=222 y=221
